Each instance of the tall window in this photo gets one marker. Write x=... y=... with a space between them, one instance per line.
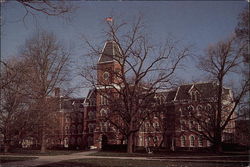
x=66 y=129
x=191 y=141
x=67 y=119
x=90 y=141
x=73 y=129
x=79 y=141
x=183 y=141
x=104 y=100
x=195 y=95
x=199 y=127
x=200 y=143
x=199 y=109
x=91 y=128
x=79 y=129
x=91 y=115
x=182 y=125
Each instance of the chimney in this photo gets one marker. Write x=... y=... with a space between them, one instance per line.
x=57 y=92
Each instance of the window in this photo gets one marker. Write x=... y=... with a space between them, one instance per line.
x=90 y=140
x=183 y=141
x=208 y=143
x=199 y=109
x=147 y=127
x=91 y=128
x=73 y=129
x=191 y=141
x=208 y=107
x=104 y=100
x=156 y=126
x=195 y=95
x=79 y=129
x=79 y=117
x=66 y=142
x=73 y=117
x=67 y=119
x=182 y=124
x=72 y=141
x=190 y=110
x=199 y=127
x=200 y=142
x=181 y=112
x=103 y=112
x=91 y=115
x=104 y=126
x=66 y=129
x=79 y=141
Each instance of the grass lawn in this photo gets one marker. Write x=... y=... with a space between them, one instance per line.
x=37 y=152
x=133 y=163
x=12 y=159
x=169 y=155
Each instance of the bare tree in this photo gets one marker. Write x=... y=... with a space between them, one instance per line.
x=220 y=61
x=140 y=70
x=47 y=61
x=13 y=102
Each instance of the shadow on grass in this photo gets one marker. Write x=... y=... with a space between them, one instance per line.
x=13 y=159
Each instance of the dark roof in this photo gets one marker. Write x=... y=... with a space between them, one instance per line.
x=110 y=52
x=67 y=103
x=167 y=95
x=206 y=90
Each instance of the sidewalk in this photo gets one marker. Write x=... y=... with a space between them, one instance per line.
x=42 y=160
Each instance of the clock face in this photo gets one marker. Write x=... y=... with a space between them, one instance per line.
x=106 y=75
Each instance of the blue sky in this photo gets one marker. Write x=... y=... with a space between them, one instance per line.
x=194 y=22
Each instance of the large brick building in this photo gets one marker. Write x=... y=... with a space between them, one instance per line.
x=83 y=124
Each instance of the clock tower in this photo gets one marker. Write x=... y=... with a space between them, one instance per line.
x=108 y=67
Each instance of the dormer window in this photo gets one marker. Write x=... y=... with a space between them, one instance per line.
x=195 y=95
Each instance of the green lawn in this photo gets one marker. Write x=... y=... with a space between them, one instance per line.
x=133 y=163
x=12 y=159
x=37 y=152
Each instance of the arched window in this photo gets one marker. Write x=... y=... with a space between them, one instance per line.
x=190 y=109
x=103 y=112
x=73 y=117
x=66 y=142
x=79 y=141
x=90 y=140
x=208 y=107
x=183 y=141
x=73 y=129
x=91 y=128
x=66 y=129
x=199 y=127
x=182 y=125
x=147 y=127
x=191 y=141
x=79 y=129
x=67 y=119
x=199 y=109
x=72 y=140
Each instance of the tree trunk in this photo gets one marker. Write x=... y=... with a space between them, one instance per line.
x=43 y=143
x=218 y=143
x=130 y=144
